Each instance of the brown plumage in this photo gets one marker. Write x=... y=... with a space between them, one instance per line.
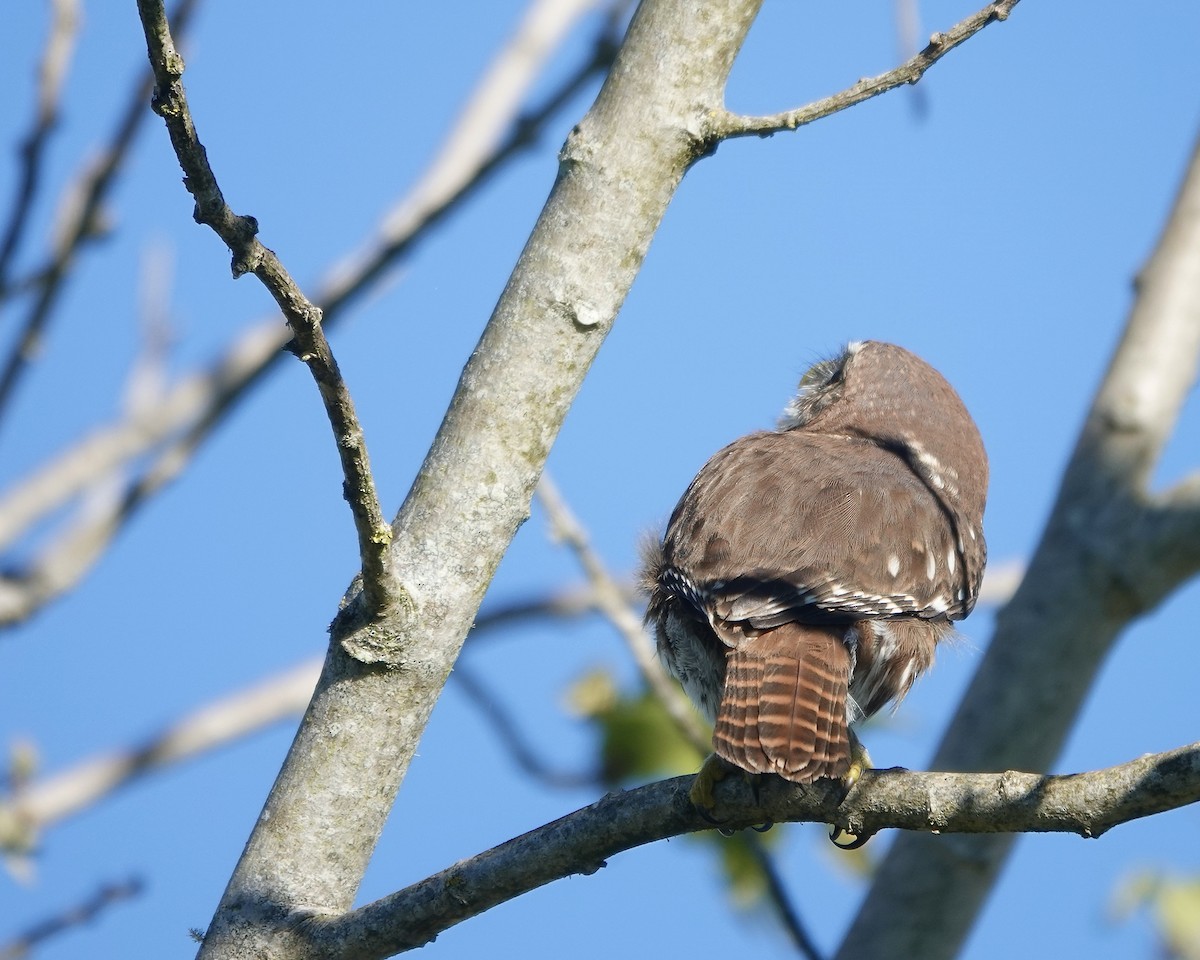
x=808 y=573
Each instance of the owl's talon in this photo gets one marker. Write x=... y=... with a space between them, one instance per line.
x=713 y=770
x=860 y=761
x=763 y=827
x=856 y=840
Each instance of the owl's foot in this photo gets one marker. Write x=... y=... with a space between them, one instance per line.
x=860 y=760
x=712 y=772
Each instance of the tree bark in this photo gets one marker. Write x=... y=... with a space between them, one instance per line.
x=619 y=169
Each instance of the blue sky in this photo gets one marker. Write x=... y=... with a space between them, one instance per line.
x=992 y=221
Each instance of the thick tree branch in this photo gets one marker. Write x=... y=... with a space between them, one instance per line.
x=1087 y=804
x=620 y=167
x=303 y=317
x=1112 y=549
x=725 y=125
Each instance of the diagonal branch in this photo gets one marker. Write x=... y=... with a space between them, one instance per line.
x=619 y=169
x=53 y=69
x=1112 y=549
x=726 y=125
x=76 y=916
x=198 y=403
x=81 y=225
x=1087 y=804
x=611 y=601
x=304 y=318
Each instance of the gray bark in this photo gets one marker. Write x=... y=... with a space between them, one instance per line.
x=619 y=169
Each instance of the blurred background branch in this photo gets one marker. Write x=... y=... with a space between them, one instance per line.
x=155 y=445
x=1105 y=559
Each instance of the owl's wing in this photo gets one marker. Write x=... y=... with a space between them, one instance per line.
x=797 y=527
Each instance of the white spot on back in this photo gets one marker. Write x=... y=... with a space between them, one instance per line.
x=893 y=565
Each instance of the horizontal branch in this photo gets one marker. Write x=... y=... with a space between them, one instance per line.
x=727 y=125
x=1087 y=804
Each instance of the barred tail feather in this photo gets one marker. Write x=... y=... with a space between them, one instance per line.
x=783 y=708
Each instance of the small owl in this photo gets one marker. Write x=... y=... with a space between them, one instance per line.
x=808 y=573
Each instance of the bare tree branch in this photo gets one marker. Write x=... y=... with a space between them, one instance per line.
x=619 y=169
x=504 y=726
x=81 y=223
x=611 y=601
x=1087 y=804
x=87 y=911
x=303 y=317
x=190 y=410
x=1112 y=550
x=726 y=125
x=60 y=45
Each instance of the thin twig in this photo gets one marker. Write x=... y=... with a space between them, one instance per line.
x=82 y=223
x=60 y=45
x=198 y=403
x=726 y=124
x=610 y=601
x=303 y=317
x=87 y=911
x=505 y=727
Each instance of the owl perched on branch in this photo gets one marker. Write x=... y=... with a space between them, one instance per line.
x=808 y=573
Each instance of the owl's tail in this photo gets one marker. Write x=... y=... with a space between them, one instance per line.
x=784 y=706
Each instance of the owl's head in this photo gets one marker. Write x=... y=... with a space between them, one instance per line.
x=820 y=386
x=884 y=394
